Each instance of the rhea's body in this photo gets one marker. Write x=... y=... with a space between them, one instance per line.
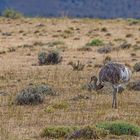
x=114 y=73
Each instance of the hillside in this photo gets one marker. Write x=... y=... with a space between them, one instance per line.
x=76 y=8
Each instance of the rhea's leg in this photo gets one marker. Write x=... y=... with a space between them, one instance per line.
x=114 y=103
x=117 y=89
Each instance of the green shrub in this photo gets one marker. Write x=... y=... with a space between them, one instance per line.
x=11 y=13
x=58 y=131
x=120 y=128
x=95 y=42
x=74 y=132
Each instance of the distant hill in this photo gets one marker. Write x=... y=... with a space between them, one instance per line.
x=75 y=8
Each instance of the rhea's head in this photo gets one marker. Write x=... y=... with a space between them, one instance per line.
x=93 y=79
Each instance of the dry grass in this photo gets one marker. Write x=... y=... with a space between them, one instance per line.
x=18 y=70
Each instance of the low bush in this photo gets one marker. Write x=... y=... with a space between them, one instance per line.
x=120 y=128
x=58 y=131
x=88 y=132
x=11 y=13
x=27 y=98
x=73 y=132
x=33 y=95
x=53 y=57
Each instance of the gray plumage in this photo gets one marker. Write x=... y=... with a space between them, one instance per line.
x=114 y=73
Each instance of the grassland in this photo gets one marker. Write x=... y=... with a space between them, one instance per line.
x=20 y=42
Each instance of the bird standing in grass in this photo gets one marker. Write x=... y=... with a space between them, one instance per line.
x=114 y=73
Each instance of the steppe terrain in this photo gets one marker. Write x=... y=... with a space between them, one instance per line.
x=20 y=42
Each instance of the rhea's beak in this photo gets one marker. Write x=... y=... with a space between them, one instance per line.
x=90 y=80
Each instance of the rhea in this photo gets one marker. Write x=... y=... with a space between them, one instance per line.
x=114 y=73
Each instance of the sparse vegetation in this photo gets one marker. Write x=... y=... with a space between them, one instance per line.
x=77 y=66
x=74 y=106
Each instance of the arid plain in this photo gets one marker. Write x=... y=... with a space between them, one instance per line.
x=20 y=42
